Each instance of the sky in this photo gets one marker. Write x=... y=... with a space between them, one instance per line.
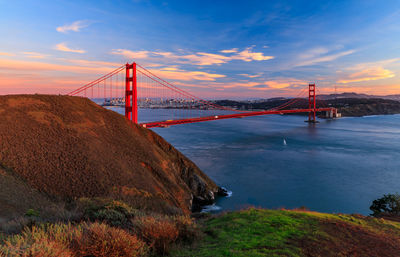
x=213 y=49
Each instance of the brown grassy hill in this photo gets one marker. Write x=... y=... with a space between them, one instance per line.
x=16 y=196
x=68 y=147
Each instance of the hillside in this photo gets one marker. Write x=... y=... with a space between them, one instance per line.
x=348 y=107
x=61 y=148
x=259 y=232
x=356 y=95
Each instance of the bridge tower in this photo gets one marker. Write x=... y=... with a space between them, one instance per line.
x=311 y=103
x=131 y=93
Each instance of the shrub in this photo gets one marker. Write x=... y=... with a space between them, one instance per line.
x=101 y=240
x=159 y=232
x=39 y=241
x=66 y=240
x=32 y=213
x=187 y=228
x=112 y=212
x=47 y=248
x=387 y=205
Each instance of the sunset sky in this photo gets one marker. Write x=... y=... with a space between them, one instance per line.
x=215 y=49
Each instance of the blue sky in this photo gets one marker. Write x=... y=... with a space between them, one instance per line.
x=215 y=49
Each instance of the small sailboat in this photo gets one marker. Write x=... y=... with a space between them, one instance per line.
x=284 y=142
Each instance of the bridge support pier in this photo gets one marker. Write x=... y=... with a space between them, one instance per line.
x=131 y=93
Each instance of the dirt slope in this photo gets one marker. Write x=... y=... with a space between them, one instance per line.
x=68 y=147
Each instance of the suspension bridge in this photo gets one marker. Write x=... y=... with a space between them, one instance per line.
x=134 y=87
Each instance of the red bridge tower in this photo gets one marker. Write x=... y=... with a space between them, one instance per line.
x=311 y=103
x=131 y=93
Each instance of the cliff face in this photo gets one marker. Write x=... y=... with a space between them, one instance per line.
x=68 y=147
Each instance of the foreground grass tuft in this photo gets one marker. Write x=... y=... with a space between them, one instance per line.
x=85 y=239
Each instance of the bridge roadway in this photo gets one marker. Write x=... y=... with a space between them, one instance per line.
x=229 y=116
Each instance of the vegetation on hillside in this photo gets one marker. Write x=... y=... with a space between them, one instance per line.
x=55 y=149
x=258 y=232
x=104 y=228
x=387 y=206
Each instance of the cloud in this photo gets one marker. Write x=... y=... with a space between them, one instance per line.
x=35 y=55
x=172 y=73
x=279 y=83
x=368 y=71
x=92 y=63
x=373 y=73
x=313 y=53
x=250 y=76
x=6 y=54
x=247 y=55
x=34 y=76
x=29 y=66
x=229 y=51
x=199 y=58
x=75 y=26
x=240 y=85
x=284 y=83
x=318 y=55
x=131 y=54
x=203 y=59
x=63 y=47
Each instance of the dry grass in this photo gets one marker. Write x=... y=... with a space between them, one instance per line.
x=69 y=147
x=156 y=233
x=103 y=241
x=86 y=239
x=159 y=232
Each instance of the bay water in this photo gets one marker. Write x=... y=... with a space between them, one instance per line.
x=274 y=161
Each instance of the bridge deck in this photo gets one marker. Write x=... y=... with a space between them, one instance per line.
x=227 y=116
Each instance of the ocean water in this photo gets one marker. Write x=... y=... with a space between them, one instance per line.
x=337 y=166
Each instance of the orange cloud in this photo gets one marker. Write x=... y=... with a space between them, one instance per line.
x=30 y=83
x=131 y=54
x=35 y=55
x=28 y=66
x=229 y=51
x=259 y=86
x=373 y=73
x=178 y=74
x=75 y=26
x=248 y=56
x=63 y=47
x=6 y=54
x=200 y=58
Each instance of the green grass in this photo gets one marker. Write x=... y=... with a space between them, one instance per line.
x=253 y=232
x=261 y=232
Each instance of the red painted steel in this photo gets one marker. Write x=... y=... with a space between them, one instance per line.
x=131 y=96
x=228 y=116
x=128 y=93
x=134 y=95
x=311 y=102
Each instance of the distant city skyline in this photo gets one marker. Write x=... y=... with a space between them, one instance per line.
x=214 y=49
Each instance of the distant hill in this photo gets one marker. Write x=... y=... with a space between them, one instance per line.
x=348 y=106
x=60 y=148
x=355 y=95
